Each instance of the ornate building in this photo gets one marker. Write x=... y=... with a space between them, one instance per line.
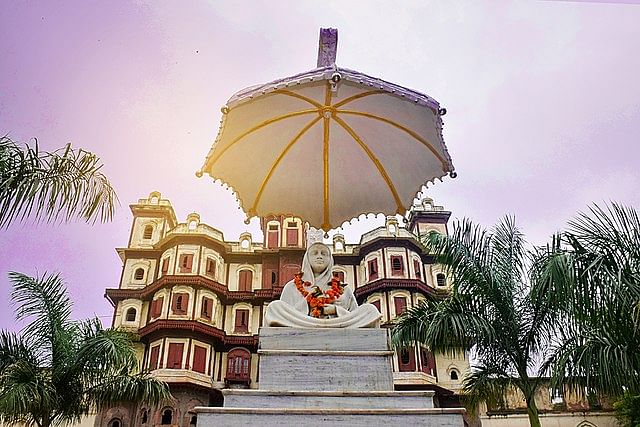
x=196 y=301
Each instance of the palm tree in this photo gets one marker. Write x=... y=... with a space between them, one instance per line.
x=60 y=185
x=492 y=309
x=57 y=370
x=592 y=277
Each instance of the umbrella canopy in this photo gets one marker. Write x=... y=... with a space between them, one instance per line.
x=328 y=145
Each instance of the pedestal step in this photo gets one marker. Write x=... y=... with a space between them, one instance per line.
x=327 y=399
x=324 y=339
x=319 y=370
x=434 y=417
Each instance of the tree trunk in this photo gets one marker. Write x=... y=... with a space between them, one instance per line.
x=46 y=420
x=532 y=412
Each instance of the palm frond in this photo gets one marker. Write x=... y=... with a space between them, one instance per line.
x=140 y=388
x=25 y=392
x=51 y=186
x=599 y=281
x=14 y=349
x=45 y=303
x=486 y=384
x=605 y=358
x=449 y=325
x=104 y=351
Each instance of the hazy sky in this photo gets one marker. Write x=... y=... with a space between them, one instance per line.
x=543 y=105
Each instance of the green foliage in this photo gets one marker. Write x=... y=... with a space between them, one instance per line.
x=628 y=410
x=61 y=185
x=593 y=272
x=57 y=369
x=570 y=310
x=491 y=308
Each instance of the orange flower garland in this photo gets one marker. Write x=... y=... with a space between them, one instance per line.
x=318 y=299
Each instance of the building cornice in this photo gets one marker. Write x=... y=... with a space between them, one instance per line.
x=386 y=284
x=161 y=326
x=257 y=297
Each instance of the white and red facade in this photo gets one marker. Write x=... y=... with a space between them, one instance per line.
x=196 y=300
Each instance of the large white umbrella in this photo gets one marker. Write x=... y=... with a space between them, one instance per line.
x=328 y=145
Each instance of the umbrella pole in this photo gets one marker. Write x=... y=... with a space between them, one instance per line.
x=328 y=47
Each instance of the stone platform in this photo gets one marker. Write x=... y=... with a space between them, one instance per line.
x=327 y=376
x=328 y=399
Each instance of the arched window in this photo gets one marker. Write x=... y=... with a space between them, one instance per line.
x=245 y=279
x=373 y=269
x=400 y=304
x=407 y=360
x=238 y=365
x=441 y=279
x=167 y=417
x=145 y=416
x=131 y=315
x=273 y=236
x=241 y=324
x=416 y=268
x=180 y=303
x=115 y=422
x=193 y=421
x=397 y=266
x=292 y=233
x=139 y=274
x=211 y=267
x=206 y=310
x=148 y=232
x=428 y=361
x=453 y=375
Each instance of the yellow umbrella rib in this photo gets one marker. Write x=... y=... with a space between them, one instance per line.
x=375 y=161
x=278 y=160
x=326 y=225
x=358 y=96
x=258 y=127
x=401 y=127
x=297 y=95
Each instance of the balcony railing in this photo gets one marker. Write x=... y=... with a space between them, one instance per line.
x=197 y=282
x=387 y=284
x=194 y=326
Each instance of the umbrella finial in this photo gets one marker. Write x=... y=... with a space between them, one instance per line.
x=328 y=47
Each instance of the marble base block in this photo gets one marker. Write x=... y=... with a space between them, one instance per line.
x=325 y=370
x=325 y=360
x=339 y=377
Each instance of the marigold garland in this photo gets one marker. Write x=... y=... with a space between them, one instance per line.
x=318 y=299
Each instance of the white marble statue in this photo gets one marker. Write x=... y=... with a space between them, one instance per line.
x=338 y=305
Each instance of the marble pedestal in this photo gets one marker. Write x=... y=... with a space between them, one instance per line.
x=326 y=376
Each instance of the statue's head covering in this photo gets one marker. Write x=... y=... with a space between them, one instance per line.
x=325 y=276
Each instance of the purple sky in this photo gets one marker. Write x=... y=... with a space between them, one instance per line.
x=543 y=105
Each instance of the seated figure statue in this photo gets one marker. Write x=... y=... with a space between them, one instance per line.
x=315 y=299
